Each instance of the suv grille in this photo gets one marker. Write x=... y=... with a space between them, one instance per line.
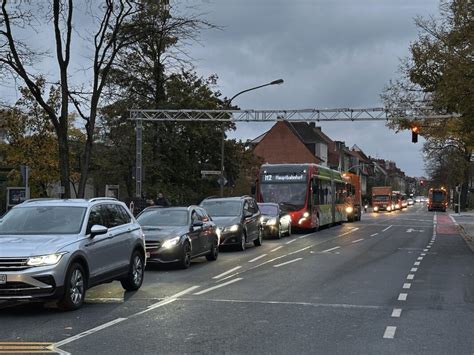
x=13 y=264
x=152 y=245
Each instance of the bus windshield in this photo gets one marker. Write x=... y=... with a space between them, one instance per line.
x=291 y=195
x=381 y=198
x=438 y=196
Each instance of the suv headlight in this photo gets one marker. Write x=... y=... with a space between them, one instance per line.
x=271 y=222
x=170 y=243
x=44 y=260
x=232 y=228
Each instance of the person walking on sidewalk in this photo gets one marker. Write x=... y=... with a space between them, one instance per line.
x=161 y=200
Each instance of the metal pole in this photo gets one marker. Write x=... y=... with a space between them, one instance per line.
x=138 y=171
x=459 y=200
x=222 y=159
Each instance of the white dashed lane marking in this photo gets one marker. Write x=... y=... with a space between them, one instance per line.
x=417 y=263
x=389 y=332
x=288 y=262
x=402 y=296
x=373 y=235
x=410 y=277
x=329 y=250
x=397 y=312
x=227 y=272
x=257 y=258
x=386 y=229
x=358 y=240
x=406 y=286
x=291 y=241
x=277 y=248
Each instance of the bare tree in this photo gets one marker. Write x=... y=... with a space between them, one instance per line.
x=19 y=58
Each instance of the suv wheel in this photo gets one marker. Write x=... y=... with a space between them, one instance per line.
x=257 y=242
x=74 y=288
x=185 y=261
x=214 y=253
x=134 y=279
x=242 y=242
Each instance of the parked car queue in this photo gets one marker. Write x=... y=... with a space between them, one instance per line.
x=56 y=249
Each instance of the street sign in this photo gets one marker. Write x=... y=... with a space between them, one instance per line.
x=210 y=172
x=222 y=181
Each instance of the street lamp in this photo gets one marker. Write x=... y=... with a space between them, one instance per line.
x=228 y=103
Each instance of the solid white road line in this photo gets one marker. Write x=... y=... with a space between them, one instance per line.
x=300 y=250
x=386 y=229
x=397 y=312
x=227 y=272
x=218 y=286
x=329 y=250
x=417 y=263
x=257 y=258
x=373 y=235
x=290 y=241
x=414 y=269
x=277 y=248
x=410 y=277
x=88 y=332
x=288 y=262
x=389 y=332
x=402 y=296
x=406 y=286
x=358 y=240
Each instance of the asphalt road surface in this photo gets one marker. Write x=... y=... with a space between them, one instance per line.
x=399 y=282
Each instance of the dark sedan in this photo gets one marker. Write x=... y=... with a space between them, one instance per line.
x=178 y=234
x=275 y=222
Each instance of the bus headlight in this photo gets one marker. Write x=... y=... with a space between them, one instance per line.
x=376 y=209
x=389 y=208
x=349 y=209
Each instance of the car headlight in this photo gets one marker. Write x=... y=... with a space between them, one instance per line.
x=271 y=222
x=170 y=243
x=44 y=260
x=389 y=209
x=376 y=208
x=232 y=228
x=397 y=206
x=306 y=215
x=349 y=209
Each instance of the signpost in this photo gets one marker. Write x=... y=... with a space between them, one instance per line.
x=16 y=195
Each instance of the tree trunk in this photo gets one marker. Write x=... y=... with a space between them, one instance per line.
x=467 y=175
x=63 y=148
x=85 y=162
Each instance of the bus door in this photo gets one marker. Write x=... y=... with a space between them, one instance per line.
x=313 y=202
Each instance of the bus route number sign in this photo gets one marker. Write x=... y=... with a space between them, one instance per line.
x=283 y=177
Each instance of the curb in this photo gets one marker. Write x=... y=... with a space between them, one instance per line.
x=468 y=239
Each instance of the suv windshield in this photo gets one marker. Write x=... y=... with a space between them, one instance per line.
x=222 y=208
x=163 y=217
x=268 y=210
x=43 y=220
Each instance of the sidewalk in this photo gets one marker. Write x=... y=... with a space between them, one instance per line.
x=465 y=223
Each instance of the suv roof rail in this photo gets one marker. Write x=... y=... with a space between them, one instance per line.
x=102 y=199
x=210 y=197
x=38 y=199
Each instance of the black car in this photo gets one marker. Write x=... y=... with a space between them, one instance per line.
x=178 y=234
x=238 y=220
x=275 y=222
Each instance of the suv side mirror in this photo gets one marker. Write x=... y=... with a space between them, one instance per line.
x=98 y=229
x=198 y=224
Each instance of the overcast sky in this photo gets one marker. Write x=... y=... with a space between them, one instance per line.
x=330 y=53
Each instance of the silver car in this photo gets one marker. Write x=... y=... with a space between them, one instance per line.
x=57 y=249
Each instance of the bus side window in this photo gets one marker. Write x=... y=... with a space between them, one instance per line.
x=315 y=188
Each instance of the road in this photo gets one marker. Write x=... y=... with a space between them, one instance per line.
x=399 y=282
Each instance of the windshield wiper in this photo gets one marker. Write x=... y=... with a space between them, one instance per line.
x=151 y=228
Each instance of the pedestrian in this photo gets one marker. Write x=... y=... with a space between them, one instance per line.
x=161 y=200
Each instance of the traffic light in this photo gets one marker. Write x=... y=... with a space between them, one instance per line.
x=414 y=134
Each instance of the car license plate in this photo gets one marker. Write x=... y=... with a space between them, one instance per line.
x=3 y=279
x=148 y=255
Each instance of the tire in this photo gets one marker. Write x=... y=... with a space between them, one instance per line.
x=185 y=261
x=214 y=253
x=243 y=240
x=258 y=242
x=75 y=287
x=289 y=230
x=279 y=233
x=136 y=271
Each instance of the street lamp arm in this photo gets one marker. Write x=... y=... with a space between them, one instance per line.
x=274 y=82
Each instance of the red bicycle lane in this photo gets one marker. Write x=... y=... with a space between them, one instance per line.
x=445 y=225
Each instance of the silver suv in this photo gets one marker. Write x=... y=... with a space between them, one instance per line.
x=56 y=249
